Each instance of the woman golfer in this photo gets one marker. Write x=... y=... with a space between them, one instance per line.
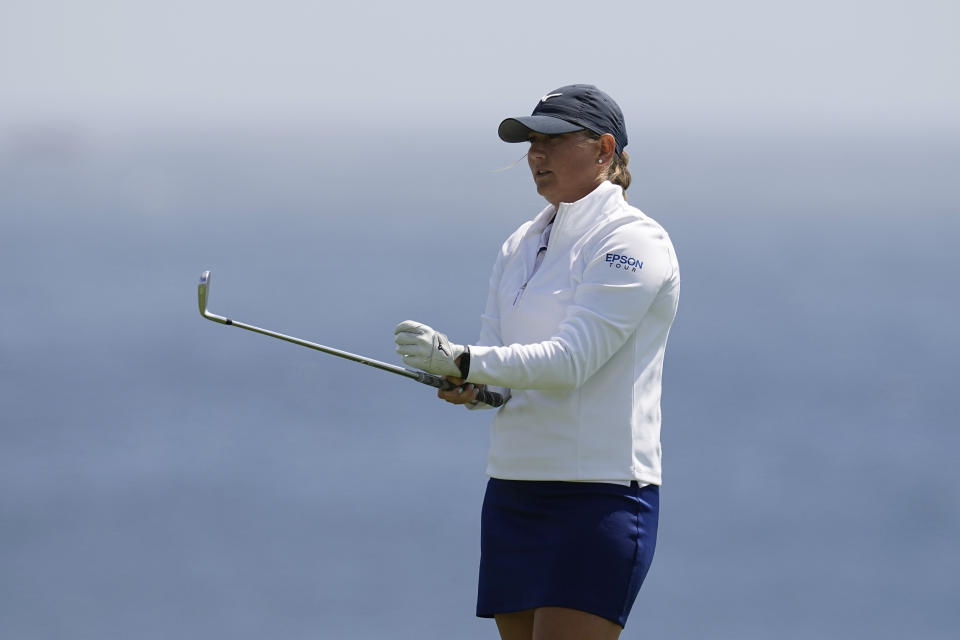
x=581 y=301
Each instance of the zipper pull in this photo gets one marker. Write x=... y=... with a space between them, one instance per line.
x=519 y=293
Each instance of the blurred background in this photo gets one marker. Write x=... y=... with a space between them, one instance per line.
x=162 y=476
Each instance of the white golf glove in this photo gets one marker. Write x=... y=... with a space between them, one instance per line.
x=426 y=349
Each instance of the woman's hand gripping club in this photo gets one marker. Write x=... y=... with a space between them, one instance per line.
x=426 y=349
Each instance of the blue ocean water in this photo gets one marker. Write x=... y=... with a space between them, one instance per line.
x=163 y=476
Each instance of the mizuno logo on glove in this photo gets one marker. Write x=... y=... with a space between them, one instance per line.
x=426 y=349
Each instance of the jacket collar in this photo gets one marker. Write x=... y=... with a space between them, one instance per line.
x=576 y=217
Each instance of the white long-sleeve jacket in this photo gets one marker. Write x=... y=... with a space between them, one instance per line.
x=579 y=345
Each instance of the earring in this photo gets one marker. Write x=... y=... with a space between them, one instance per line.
x=599 y=160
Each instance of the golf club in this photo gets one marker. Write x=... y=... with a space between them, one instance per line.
x=203 y=293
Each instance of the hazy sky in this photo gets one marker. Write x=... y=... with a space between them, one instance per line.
x=809 y=63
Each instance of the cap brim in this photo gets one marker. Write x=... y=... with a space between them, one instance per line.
x=518 y=129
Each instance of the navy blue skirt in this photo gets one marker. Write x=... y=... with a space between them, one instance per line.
x=581 y=545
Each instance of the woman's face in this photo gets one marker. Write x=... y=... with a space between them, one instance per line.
x=565 y=166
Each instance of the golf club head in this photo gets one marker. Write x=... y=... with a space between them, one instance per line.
x=203 y=291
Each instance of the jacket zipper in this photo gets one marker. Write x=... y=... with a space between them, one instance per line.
x=519 y=293
x=541 y=255
x=537 y=261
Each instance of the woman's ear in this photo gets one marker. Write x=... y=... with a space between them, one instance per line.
x=608 y=146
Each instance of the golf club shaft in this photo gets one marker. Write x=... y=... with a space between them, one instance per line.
x=487 y=397
x=334 y=352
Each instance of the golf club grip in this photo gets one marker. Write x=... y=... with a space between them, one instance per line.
x=491 y=398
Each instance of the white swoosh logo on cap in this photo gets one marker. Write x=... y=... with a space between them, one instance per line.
x=550 y=95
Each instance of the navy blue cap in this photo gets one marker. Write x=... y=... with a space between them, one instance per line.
x=567 y=109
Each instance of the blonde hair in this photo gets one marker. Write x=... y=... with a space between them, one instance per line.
x=617 y=172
